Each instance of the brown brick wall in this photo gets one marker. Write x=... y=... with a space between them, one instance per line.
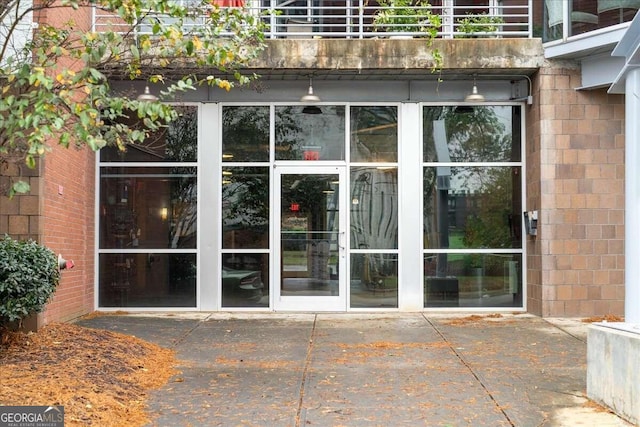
x=575 y=178
x=20 y=215
x=533 y=190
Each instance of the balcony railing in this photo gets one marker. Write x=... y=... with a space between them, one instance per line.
x=356 y=19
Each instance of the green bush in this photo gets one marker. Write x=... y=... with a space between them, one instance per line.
x=29 y=275
x=481 y=23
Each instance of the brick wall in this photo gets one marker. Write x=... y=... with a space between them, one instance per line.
x=20 y=216
x=575 y=174
x=68 y=207
x=59 y=210
x=68 y=228
x=532 y=153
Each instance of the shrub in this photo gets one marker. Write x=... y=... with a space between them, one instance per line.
x=481 y=23
x=29 y=275
x=407 y=16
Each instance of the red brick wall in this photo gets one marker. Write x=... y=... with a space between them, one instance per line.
x=68 y=228
x=58 y=213
x=67 y=206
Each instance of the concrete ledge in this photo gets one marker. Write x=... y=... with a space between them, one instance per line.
x=515 y=55
x=381 y=56
x=613 y=371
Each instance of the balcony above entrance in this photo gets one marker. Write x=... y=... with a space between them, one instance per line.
x=395 y=59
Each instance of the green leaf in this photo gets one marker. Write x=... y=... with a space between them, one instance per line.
x=30 y=161
x=21 y=187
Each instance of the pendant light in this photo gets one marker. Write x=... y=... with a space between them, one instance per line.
x=147 y=96
x=310 y=97
x=474 y=96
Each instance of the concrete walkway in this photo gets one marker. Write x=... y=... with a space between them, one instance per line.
x=382 y=369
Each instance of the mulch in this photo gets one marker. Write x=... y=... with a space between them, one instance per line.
x=101 y=378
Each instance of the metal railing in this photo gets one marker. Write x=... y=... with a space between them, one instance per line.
x=357 y=19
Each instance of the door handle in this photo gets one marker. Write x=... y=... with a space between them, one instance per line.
x=341 y=240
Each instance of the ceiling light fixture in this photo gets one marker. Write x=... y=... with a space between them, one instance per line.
x=310 y=97
x=147 y=96
x=474 y=96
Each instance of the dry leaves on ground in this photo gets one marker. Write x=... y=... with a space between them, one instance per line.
x=100 y=377
x=473 y=319
x=605 y=318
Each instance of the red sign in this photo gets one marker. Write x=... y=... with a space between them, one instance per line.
x=312 y=155
x=295 y=207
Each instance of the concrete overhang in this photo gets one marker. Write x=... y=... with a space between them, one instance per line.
x=398 y=59
x=380 y=59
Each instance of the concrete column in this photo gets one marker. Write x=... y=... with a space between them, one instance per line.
x=632 y=197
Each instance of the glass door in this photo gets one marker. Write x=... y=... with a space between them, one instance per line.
x=310 y=239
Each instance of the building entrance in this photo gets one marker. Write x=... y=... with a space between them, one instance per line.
x=310 y=239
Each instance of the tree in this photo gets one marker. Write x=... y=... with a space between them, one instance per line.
x=55 y=78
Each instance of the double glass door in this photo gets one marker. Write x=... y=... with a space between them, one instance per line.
x=310 y=239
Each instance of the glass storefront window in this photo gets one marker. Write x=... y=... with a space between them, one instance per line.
x=147 y=280
x=374 y=208
x=471 y=134
x=245 y=134
x=472 y=207
x=146 y=212
x=178 y=142
x=148 y=207
x=472 y=279
x=374 y=134
x=472 y=210
x=245 y=280
x=374 y=280
x=245 y=207
x=310 y=132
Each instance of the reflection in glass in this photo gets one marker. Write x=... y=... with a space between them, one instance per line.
x=245 y=207
x=245 y=280
x=585 y=16
x=309 y=235
x=178 y=142
x=473 y=280
x=374 y=134
x=374 y=280
x=471 y=134
x=475 y=207
x=374 y=208
x=147 y=280
x=245 y=134
x=310 y=137
x=148 y=207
